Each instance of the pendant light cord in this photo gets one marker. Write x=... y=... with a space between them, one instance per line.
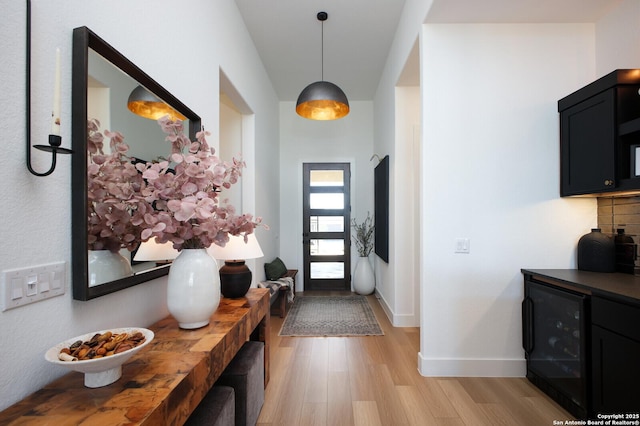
x=322 y=50
x=322 y=16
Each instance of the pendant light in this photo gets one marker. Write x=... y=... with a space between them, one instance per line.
x=145 y=104
x=322 y=100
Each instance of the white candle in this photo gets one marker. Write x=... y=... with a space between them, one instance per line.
x=55 y=112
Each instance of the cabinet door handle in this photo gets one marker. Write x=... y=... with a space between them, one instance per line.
x=608 y=182
x=527 y=325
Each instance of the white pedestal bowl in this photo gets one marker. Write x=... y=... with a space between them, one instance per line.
x=100 y=371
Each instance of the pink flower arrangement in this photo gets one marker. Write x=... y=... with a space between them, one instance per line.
x=175 y=200
x=115 y=209
x=187 y=210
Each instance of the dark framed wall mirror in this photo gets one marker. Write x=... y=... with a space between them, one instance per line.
x=102 y=81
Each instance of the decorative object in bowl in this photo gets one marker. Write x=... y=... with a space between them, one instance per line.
x=103 y=371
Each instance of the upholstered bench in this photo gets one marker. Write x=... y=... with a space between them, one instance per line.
x=281 y=291
x=245 y=374
x=281 y=283
x=218 y=408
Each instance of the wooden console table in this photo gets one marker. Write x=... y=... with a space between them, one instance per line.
x=164 y=382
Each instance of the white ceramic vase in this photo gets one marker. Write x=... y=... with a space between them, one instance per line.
x=193 y=289
x=105 y=266
x=364 y=282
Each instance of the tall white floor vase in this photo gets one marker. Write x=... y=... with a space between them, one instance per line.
x=364 y=282
x=193 y=289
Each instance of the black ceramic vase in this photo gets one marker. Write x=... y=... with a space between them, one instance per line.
x=625 y=252
x=596 y=252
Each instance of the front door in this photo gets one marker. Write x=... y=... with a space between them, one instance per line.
x=326 y=219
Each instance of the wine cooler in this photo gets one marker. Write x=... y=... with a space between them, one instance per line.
x=554 y=339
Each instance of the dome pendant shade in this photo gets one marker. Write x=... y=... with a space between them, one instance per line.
x=322 y=100
x=145 y=104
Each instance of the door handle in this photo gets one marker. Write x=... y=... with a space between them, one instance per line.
x=528 y=341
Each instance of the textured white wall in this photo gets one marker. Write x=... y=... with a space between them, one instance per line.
x=180 y=47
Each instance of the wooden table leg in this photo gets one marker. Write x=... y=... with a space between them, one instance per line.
x=265 y=336
x=283 y=301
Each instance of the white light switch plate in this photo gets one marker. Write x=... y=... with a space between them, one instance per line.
x=28 y=285
x=463 y=245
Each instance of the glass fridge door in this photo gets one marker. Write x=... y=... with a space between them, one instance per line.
x=556 y=344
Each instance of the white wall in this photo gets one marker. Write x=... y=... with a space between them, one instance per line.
x=180 y=49
x=231 y=143
x=348 y=140
x=491 y=174
x=405 y=208
x=397 y=281
x=618 y=39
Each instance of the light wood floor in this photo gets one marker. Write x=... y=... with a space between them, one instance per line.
x=374 y=381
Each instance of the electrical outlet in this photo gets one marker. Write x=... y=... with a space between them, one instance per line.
x=32 y=284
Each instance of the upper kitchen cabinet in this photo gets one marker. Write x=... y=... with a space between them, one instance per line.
x=599 y=125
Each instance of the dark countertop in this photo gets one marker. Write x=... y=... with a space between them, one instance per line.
x=616 y=286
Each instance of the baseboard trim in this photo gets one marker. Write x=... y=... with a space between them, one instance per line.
x=408 y=320
x=385 y=306
x=447 y=367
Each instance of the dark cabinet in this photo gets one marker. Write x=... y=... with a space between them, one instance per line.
x=581 y=337
x=615 y=357
x=598 y=126
x=588 y=156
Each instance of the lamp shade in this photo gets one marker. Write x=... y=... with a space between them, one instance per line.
x=145 y=104
x=237 y=249
x=322 y=100
x=153 y=251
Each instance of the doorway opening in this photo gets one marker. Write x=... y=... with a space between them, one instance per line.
x=326 y=232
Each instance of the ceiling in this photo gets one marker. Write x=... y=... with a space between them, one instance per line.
x=358 y=34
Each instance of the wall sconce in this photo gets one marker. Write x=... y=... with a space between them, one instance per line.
x=54 y=138
x=145 y=104
x=235 y=276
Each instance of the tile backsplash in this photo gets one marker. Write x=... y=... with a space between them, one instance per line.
x=620 y=213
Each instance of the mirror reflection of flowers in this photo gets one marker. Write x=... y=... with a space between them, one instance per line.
x=185 y=194
x=115 y=209
x=363 y=235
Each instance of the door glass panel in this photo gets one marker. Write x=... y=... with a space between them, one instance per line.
x=326 y=247
x=333 y=270
x=326 y=223
x=326 y=178
x=326 y=201
x=557 y=354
